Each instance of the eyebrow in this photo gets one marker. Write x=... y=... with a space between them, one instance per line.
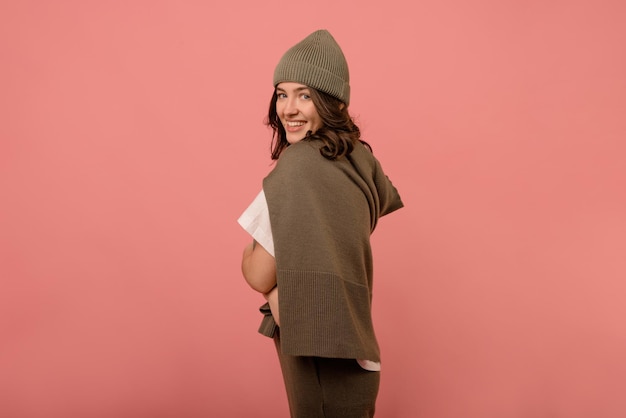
x=297 y=89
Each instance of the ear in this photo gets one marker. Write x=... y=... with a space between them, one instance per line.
x=342 y=106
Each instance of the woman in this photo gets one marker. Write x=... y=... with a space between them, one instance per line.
x=311 y=255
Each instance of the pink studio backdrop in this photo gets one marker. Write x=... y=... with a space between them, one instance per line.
x=131 y=139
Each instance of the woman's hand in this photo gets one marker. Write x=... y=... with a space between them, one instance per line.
x=272 y=299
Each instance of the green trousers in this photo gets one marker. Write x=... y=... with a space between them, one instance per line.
x=320 y=387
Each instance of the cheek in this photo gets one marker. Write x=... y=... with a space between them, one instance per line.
x=315 y=118
x=317 y=122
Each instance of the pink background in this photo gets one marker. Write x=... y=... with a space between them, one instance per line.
x=132 y=138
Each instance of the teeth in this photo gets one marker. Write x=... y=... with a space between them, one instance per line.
x=294 y=124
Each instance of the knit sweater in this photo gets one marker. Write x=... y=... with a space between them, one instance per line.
x=322 y=214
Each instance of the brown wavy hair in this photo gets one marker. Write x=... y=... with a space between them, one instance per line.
x=338 y=133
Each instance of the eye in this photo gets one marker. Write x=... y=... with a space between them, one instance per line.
x=281 y=95
x=306 y=96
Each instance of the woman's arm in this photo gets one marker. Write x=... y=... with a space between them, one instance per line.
x=259 y=268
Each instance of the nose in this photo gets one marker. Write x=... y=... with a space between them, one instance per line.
x=290 y=107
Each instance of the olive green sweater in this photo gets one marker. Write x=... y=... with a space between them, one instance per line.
x=322 y=213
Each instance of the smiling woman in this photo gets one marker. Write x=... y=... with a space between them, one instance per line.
x=296 y=110
x=311 y=226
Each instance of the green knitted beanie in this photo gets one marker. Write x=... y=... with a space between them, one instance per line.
x=317 y=62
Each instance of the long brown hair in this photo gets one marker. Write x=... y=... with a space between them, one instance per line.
x=338 y=133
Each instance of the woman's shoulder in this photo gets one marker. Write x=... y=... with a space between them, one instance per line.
x=306 y=155
x=301 y=149
x=301 y=155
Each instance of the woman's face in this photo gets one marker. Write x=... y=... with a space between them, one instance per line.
x=296 y=111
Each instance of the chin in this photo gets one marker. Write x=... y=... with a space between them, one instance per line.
x=294 y=140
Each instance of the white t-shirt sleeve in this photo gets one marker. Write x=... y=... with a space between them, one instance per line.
x=256 y=221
